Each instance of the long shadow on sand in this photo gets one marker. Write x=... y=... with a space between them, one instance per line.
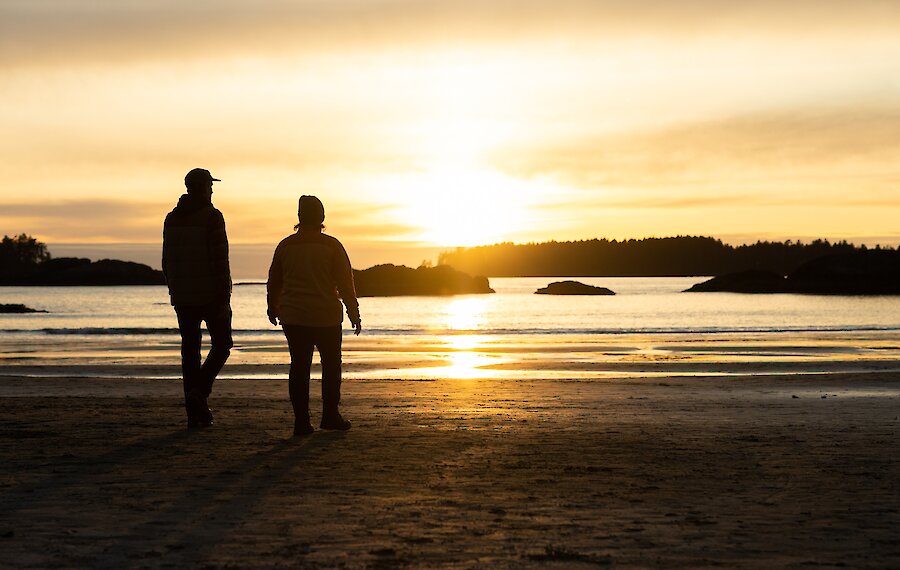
x=205 y=515
x=86 y=471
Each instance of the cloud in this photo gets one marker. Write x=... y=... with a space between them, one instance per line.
x=239 y=147
x=125 y=31
x=637 y=200
x=129 y=230
x=853 y=149
x=100 y=210
x=90 y=220
x=102 y=221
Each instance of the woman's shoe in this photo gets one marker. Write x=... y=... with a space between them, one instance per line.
x=303 y=427
x=334 y=421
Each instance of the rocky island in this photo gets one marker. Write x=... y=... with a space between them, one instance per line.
x=866 y=272
x=79 y=271
x=398 y=280
x=572 y=288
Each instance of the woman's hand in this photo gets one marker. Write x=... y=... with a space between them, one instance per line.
x=273 y=319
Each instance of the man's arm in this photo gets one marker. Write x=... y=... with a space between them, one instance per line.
x=165 y=273
x=273 y=287
x=218 y=256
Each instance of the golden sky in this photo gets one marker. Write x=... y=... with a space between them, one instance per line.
x=424 y=125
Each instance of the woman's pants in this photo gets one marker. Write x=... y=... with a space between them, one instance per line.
x=301 y=341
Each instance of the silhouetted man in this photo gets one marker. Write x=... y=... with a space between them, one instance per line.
x=195 y=262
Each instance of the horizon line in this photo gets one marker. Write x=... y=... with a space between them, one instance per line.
x=727 y=239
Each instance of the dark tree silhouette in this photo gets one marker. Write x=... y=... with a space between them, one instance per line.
x=22 y=252
x=650 y=257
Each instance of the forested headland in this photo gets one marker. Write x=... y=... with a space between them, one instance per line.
x=26 y=261
x=649 y=257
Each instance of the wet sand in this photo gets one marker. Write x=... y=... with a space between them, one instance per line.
x=774 y=471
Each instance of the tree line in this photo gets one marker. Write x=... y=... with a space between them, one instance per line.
x=648 y=257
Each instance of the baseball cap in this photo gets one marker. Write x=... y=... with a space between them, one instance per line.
x=197 y=176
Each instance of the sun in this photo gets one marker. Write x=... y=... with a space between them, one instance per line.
x=465 y=207
x=457 y=200
x=454 y=195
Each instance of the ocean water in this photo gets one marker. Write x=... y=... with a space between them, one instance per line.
x=649 y=328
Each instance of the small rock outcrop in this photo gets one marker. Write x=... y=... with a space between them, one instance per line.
x=572 y=288
x=398 y=280
x=751 y=281
x=16 y=308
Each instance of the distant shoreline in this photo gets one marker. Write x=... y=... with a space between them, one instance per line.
x=679 y=256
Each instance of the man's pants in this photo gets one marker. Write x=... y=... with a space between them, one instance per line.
x=301 y=341
x=218 y=321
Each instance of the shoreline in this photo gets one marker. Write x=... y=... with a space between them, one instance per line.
x=463 y=365
x=662 y=472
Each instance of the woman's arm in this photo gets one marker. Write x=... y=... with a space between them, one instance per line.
x=346 y=287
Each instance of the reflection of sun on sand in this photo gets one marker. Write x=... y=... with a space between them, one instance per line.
x=464 y=359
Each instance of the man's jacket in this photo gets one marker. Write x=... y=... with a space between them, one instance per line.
x=195 y=254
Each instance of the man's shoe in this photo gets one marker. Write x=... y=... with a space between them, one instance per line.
x=303 y=427
x=198 y=411
x=334 y=421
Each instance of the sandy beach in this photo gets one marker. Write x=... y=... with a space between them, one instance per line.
x=775 y=471
x=608 y=284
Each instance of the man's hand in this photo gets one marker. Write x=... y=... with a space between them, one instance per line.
x=273 y=319
x=357 y=328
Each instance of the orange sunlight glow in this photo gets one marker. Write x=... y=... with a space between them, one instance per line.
x=454 y=197
x=464 y=208
x=452 y=205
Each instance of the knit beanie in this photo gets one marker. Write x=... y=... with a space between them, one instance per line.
x=310 y=211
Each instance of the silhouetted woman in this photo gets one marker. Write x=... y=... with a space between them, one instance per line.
x=310 y=274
